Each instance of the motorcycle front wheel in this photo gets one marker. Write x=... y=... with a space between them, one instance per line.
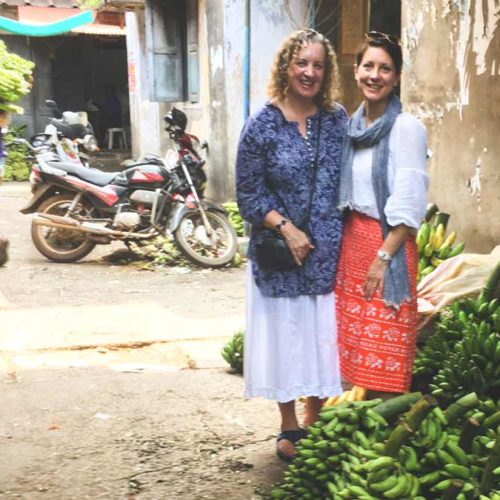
x=61 y=245
x=215 y=250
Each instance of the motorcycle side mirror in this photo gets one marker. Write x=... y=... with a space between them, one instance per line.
x=53 y=106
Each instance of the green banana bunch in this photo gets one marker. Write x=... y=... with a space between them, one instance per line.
x=232 y=352
x=341 y=440
x=466 y=339
x=234 y=217
x=343 y=455
x=15 y=75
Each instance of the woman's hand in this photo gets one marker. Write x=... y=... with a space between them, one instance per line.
x=375 y=278
x=297 y=242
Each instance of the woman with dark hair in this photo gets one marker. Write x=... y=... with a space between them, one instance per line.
x=384 y=192
x=287 y=175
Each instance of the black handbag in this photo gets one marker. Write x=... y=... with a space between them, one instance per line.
x=272 y=252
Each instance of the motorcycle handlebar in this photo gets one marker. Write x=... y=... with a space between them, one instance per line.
x=32 y=148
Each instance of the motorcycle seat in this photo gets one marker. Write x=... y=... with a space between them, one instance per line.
x=91 y=175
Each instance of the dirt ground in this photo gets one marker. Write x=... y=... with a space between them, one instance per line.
x=111 y=381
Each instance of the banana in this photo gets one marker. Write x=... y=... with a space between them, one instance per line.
x=450 y=239
x=428 y=249
x=385 y=485
x=378 y=463
x=438 y=237
x=411 y=461
x=458 y=471
x=415 y=487
x=359 y=492
x=445 y=457
x=442 y=485
x=431 y=477
x=435 y=261
x=423 y=236
x=398 y=490
x=456 y=250
x=457 y=453
x=432 y=237
x=427 y=271
x=361 y=439
x=331 y=401
x=444 y=251
x=380 y=474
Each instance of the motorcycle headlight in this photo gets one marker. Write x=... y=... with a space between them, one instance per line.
x=90 y=143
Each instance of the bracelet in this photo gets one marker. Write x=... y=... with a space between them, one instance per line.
x=281 y=224
x=382 y=255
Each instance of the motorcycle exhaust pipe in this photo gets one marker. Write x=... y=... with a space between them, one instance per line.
x=58 y=222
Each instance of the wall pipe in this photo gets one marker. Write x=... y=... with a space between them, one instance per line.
x=246 y=61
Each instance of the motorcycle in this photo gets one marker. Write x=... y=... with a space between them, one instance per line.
x=70 y=133
x=75 y=208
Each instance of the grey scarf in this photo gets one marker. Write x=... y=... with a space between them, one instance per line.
x=396 y=284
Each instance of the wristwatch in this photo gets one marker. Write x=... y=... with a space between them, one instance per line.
x=382 y=255
x=281 y=224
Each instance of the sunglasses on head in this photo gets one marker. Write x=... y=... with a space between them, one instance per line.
x=376 y=35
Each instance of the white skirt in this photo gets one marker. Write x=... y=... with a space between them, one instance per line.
x=290 y=346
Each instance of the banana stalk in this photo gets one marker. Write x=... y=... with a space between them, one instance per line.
x=491 y=285
x=472 y=428
x=432 y=208
x=488 y=479
x=442 y=218
x=409 y=424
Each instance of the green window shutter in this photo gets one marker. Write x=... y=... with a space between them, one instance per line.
x=193 y=72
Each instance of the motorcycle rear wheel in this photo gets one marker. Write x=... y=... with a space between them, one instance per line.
x=193 y=241
x=61 y=245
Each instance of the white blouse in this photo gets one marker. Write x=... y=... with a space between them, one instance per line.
x=407 y=175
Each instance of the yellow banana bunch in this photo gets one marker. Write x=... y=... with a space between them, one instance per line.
x=357 y=393
x=433 y=245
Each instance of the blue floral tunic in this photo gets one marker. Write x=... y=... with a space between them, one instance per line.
x=273 y=157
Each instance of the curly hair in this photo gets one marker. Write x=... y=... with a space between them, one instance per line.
x=277 y=88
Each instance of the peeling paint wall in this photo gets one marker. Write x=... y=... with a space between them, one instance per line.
x=451 y=81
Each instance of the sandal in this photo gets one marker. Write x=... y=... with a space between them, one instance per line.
x=293 y=436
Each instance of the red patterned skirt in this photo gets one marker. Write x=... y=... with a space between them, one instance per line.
x=376 y=343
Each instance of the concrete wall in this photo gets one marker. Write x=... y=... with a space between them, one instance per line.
x=451 y=81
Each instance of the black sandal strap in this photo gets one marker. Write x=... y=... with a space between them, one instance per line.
x=292 y=435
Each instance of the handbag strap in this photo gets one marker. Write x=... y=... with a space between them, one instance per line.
x=305 y=222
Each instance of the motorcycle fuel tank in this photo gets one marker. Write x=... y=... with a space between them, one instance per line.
x=145 y=175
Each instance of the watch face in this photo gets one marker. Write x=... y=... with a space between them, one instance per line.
x=384 y=255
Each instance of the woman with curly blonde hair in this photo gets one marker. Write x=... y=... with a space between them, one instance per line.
x=277 y=88
x=287 y=176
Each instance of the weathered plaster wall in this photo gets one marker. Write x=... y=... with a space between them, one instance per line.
x=451 y=81
x=270 y=23
x=144 y=114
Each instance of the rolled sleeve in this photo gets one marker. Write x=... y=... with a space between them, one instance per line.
x=408 y=199
x=254 y=199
